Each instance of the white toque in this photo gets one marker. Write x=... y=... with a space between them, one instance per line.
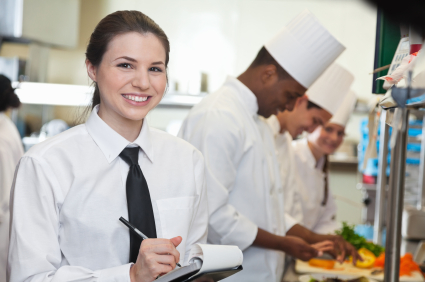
x=344 y=112
x=304 y=48
x=330 y=88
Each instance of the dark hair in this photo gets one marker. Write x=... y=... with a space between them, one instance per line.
x=310 y=105
x=8 y=98
x=118 y=23
x=264 y=58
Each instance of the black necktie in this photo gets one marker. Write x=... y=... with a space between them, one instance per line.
x=140 y=212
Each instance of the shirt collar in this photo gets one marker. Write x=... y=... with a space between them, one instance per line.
x=245 y=94
x=111 y=143
x=274 y=124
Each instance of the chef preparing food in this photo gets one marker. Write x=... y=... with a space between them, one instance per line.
x=311 y=159
x=314 y=109
x=245 y=194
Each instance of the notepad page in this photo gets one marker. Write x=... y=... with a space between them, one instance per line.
x=216 y=257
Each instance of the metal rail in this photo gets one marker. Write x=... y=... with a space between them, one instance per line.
x=396 y=198
x=421 y=192
x=382 y=179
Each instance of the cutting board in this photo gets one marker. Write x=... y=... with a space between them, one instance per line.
x=348 y=268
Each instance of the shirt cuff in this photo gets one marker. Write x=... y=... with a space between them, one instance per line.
x=116 y=274
x=289 y=222
x=243 y=235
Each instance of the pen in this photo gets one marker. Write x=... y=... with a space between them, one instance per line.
x=137 y=231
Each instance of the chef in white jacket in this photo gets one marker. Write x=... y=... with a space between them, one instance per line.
x=321 y=101
x=11 y=151
x=311 y=163
x=245 y=196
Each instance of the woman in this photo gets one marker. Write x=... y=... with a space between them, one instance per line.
x=11 y=151
x=70 y=191
x=311 y=158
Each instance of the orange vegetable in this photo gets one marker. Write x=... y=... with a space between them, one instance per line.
x=368 y=258
x=322 y=263
x=407 y=265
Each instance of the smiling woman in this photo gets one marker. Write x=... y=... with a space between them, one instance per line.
x=70 y=191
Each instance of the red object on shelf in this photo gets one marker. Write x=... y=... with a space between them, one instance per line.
x=369 y=179
x=415 y=48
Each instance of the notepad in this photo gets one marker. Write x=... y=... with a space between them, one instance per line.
x=209 y=259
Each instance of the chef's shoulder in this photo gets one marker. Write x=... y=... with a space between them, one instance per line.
x=301 y=150
x=217 y=112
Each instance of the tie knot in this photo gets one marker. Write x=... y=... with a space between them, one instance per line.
x=130 y=155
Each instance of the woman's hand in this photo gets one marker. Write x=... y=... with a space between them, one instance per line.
x=156 y=257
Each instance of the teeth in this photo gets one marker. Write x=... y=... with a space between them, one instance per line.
x=135 y=98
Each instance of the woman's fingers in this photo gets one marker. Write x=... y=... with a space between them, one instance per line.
x=166 y=248
x=166 y=259
x=176 y=240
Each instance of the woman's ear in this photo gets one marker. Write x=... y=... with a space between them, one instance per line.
x=91 y=70
x=302 y=100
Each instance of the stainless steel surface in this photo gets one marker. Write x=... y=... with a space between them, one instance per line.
x=395 y=198
x=421 y=186
x=382 y=179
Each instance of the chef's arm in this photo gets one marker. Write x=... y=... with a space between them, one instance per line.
x=291 y=245
x=341 y=247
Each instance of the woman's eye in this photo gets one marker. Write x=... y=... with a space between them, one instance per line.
x=125 y=65
x=155 y=69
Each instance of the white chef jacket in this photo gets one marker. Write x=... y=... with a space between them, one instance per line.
x=318 y=218
x=11 y=151
x=69 y=192
x=243 y=190
x=288 y=170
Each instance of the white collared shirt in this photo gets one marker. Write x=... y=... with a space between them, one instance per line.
x=244 y=193
x=69 y=192
x=317 y=218
x=11 y=151
x=287 y=170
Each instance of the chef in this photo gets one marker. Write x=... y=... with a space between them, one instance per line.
x=245 y=195
x=311 y=159
x=10 y=152
x=321 y=101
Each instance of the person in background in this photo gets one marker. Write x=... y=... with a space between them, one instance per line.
x=314 y=109
x=11 y=151
x=70 y=190
x=311 y=159
x=245 y=196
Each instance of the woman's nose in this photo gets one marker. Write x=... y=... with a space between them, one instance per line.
x=141 y=80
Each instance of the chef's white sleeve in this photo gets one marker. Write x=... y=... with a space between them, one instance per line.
x=198 y=229
x=289 y=222
x=34 y=250
x=221 y=141
x=327 y=223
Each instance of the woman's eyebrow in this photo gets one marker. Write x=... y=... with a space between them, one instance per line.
x=127 y=58
x=158 y=63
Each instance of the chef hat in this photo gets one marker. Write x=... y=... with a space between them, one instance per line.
x=330 y=89
x=304 y=48
x=343 y=114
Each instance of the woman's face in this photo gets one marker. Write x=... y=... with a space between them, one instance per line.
x=131 y=76
x=328 y=137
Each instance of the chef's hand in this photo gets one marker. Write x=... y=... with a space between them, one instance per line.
x=156 y=257
x=298 y=248
x=342 y=249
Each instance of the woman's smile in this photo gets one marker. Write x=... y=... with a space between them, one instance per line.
x=137 y=99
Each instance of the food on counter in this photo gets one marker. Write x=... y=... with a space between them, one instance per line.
x=347 y=232
x=322 y=263
x=336 y=279
x=368 y=258
x=407 y=265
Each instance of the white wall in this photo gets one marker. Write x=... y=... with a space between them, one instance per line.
x=222 y=37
